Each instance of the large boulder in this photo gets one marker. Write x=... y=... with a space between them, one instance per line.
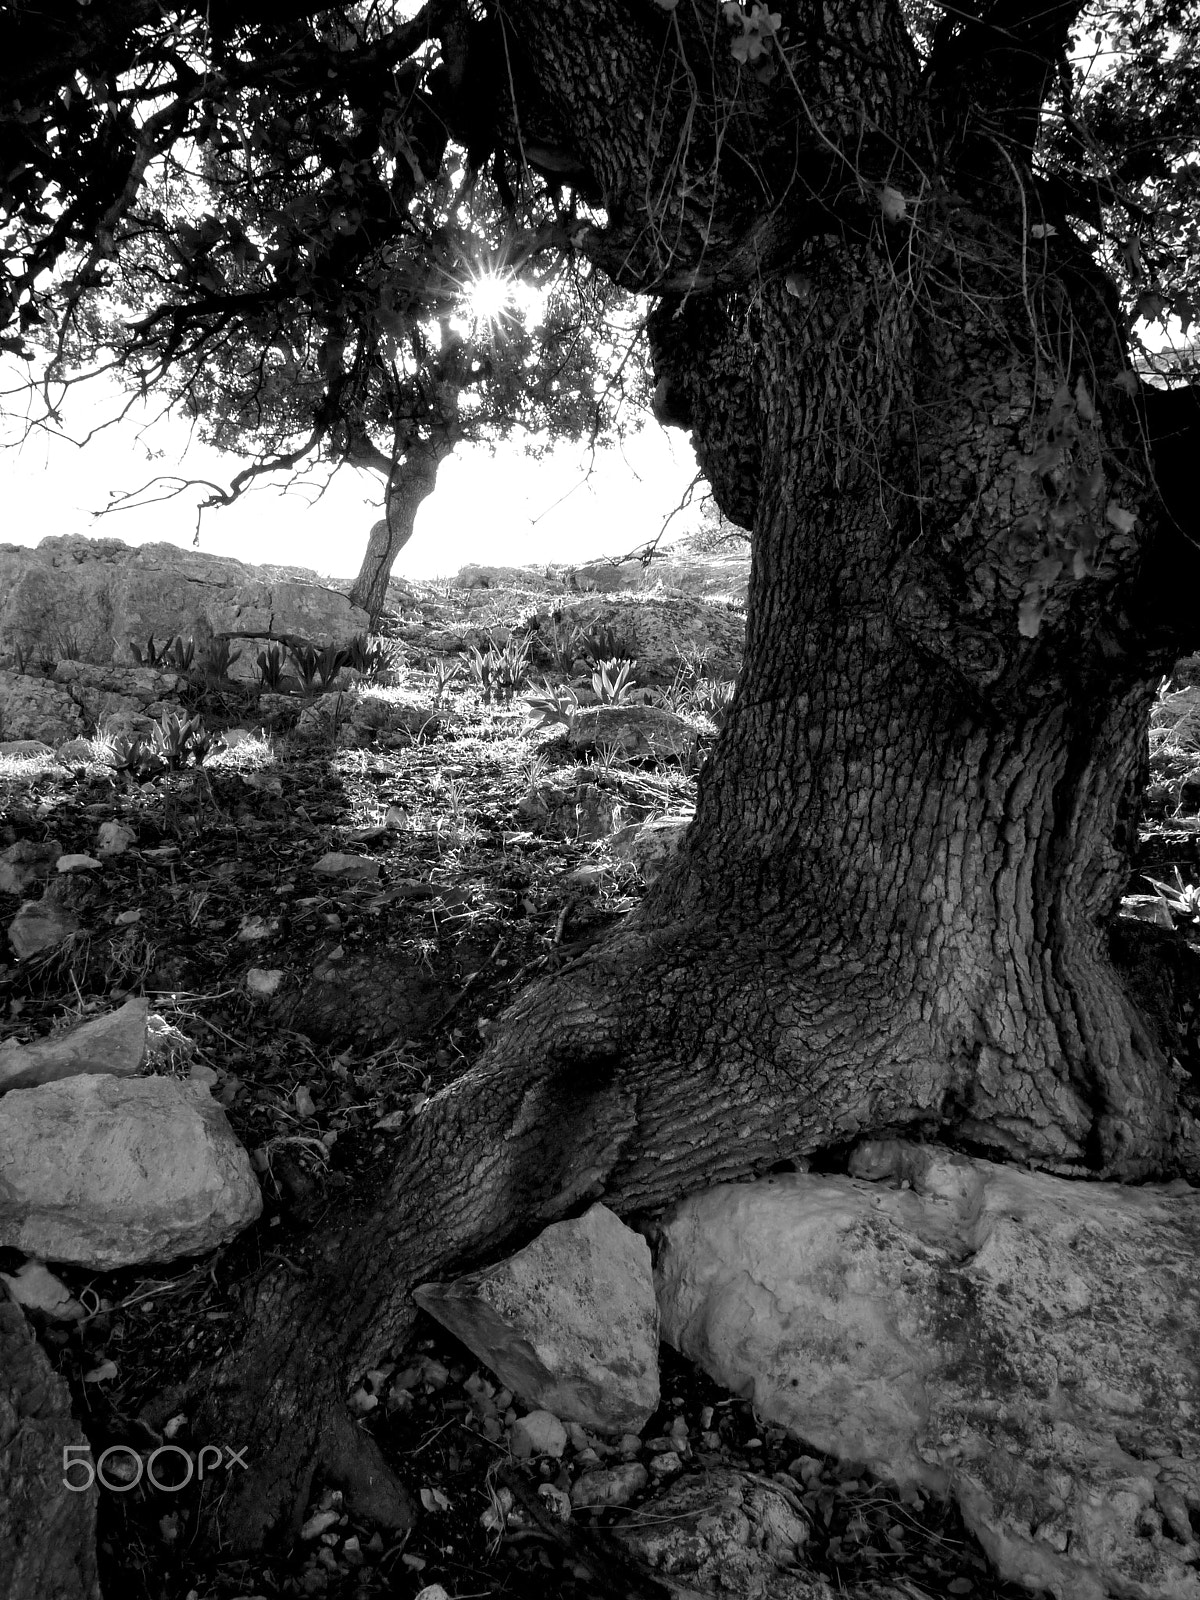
x=658 y=632
x=36 y=708
x=633 y=730
x=569 y=1323
x=47 y=1525
x=107 y=1172
x=1026 y=1342
x=87 y=598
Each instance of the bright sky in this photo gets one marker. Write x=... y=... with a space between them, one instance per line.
x=508 y=509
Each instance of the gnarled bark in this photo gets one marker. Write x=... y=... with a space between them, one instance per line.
x=410 y=486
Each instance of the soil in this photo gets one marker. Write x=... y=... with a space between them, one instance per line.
x=389 y=989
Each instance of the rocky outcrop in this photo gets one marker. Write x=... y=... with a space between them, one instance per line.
x=115 y=1044
x=37 y=708
x=658 y=632
x=649 y=846
x=633 y=730
x=1026 y=1342
x=105 y=1172
x=85 y=599
x=569 y=1323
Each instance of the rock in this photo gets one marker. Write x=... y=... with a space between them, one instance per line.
x=76 y=752
x=24 y=749
x=349 y=868
x=48 y=1528
x=263 y=982
x=25 y=863
x=254 y=929
x=569 y=1323
x=632 y=730
x=77 y=863
x=115 y=1043
x=726 y=1533
x=538 y=1434
x=1147 y=908
x=104 y=1172
x=40 y=925
x=365 y=1001
x=665 y=1465
x=606 y=577
x=114 y=839
x=657 y=632
x=649 y=846
x=35 y=708
x=1025 y=1341
x=37 y=1289
x=609 y=1486
x=100 y=593
x=483 y=577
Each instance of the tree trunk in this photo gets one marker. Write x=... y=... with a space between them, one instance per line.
x=890 y=912
x=410 y=487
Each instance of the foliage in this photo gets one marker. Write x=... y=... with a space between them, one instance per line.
x=445 y=675
x=219 y=659
x=271 y=664
x=552 y=707
x=171 y=743
x=498 y=673
x=374 y=657
x=307 y=665
x=613 y=682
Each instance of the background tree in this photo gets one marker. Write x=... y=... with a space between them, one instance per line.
x=897 y=254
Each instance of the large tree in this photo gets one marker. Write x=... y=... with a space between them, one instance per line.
x=895 y=253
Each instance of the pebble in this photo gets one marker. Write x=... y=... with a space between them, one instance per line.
x=77 y=863
x=317 y=1524
x=665 y=1466
x=538 y=1434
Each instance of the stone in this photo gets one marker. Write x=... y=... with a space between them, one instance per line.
x=77 y=863
x=263 y=982
x=569 y=1323
x=538 y=1434
x=254 y=929
x=77 y=752
x=36 y=1288
x=1147 y=908
x=650 y=846
x=48 y=1526
x=103 y=1172
x=114 y=839
x=93 y=595
x=349 y=868
x=1025 y=1342
x=115 y=1043
x=632 y=730
x=39 y=926
x=656 y=633
x=26 y=863
x=727 y=1533
x=24 y=749
x=610 y=1486
x=36 y=708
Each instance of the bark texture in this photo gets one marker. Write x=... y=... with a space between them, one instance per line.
x=891 y=911
x=408 y=490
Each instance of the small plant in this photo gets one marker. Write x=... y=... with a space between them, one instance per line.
x=712 y=697
x=219 y=659
x=552 y=707
x=307 y=664
x=599 y=644
x=21 y=656
x=331 y=658
x=180 y=654
x=613 y=682
x=151 y=657
x=1182 y=898
x=270 y=668
x=171 y=744
x=445 y=675
x=374 y=657
x=498 y=674
x=138 y=758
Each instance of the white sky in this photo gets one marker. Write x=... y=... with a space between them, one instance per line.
x=508 y=509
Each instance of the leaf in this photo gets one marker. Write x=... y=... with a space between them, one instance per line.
x=1043 y=230
x=1083 y=401
x=1121 y=519
x=434 y=1500
x=1029 y=613
x=1128 y=381
x=104 y=1373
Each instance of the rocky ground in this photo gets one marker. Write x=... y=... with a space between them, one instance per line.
x=329 y=916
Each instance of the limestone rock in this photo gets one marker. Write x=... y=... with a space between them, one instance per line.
x=24 y=749
x=100 y=593
x=649 y=846
x=40 y=925
x=569 y=1323
x=76 y=863
x=633 y=730
x=264 y=982
x=36 y=708
x=657 y=632
x=25 y=863
x=1027 y=1342
x=726 y=1533
x=47 y=1529
x=104 y=1172
x=538 y=1434
x=609 y=1486
x=35 y=1287
x=115 y=1044
x=114 y=839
